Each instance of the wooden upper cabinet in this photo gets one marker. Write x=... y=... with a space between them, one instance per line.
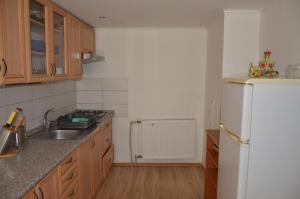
x=12 y=54
x=58 y=18
x=38 y=37
x=74 y=50
x=39 y=42
x=87 y=38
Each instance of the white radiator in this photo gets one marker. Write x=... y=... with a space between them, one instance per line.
x=168 y=139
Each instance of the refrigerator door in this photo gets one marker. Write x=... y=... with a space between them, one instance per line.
x=234 y=140
x=274 y=162
x=233 y=164
x=236 y=108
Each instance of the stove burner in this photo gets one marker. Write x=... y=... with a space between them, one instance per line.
x=92 y=116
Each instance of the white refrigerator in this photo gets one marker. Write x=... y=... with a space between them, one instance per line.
x=259 y=152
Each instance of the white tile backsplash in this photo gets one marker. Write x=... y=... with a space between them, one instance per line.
x=115 y=97
x=89 y=97
x=3 y=115
x=36 y=99
x=103 y=93
x=58 y=88
x=89 y=106
x=70 y=86
x=2 y=97
x=18 y=94
x=89 y=84
x=41 y=90
x=113 y=84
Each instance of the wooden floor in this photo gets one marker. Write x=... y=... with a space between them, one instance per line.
x=153 y=183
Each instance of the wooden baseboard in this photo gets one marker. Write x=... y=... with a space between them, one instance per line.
x=159 y=165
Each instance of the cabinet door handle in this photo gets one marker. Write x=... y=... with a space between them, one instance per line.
x=5 y=67
x=51 y=68
x=107 y=140
x=40 y=189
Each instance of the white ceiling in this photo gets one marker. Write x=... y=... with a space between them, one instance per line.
x=134 y=13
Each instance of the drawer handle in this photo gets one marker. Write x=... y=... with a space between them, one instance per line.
x=40 y=189
x=71 y=194
x=71 y=160
x=5 y=67
x=70 y=178
x=107 y=125
x=93 y=144
x=107 y=140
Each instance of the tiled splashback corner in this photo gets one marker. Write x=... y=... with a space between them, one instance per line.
x=36 y=99
x=103 y=93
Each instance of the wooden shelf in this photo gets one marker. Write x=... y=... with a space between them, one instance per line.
x=214 y=156
x=38 y=53
x=211 y=166
x=213 y=176
x=36 y=22
x=215 y=135
x=58 y=30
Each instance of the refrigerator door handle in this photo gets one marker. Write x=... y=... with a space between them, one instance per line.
x=233 y=136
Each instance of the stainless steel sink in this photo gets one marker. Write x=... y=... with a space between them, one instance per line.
x=60 y=134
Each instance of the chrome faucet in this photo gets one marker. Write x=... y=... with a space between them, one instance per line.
x=47 y=123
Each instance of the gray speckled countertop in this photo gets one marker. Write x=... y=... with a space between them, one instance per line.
x=37 y=158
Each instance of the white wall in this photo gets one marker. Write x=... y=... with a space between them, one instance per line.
x=215 y=36
x=241 y=41
x=36 y=99
x=165 y=68
x=280 y=32
x=215 y=41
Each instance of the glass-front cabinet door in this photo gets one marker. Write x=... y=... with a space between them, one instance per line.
x=59 y=42
x=39 y=24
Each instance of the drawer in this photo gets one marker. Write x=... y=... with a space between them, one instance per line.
x=108 y=159
x=72 y=192
x=67 y=163
x=107 y=136
x=67 y=179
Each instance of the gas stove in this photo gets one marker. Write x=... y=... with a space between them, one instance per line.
x=98 y=114
x=80 y=119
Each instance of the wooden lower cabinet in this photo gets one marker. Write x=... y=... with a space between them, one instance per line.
x=108 y=159
x=85 y=173
x=46 y=189
x=81 y=174
x=90 y=159
x=96 y=160
x=73 y=191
